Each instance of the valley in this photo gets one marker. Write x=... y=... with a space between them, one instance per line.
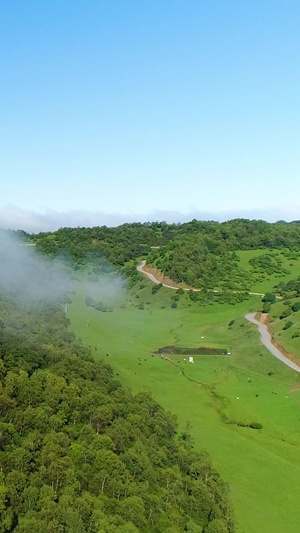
x=128 y=353
x=217 y=395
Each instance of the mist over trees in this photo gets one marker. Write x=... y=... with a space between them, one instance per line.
x=28 y=276
x=79 y=452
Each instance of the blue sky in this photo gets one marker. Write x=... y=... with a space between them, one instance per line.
x=137 y=110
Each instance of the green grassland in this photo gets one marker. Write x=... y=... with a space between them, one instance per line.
x=263 y=281
x=217 y=394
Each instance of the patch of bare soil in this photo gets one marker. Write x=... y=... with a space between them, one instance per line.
x=161 y=278
x=295 y=389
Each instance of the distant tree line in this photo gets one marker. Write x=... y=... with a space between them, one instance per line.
x=199 y=253
x=100 y=245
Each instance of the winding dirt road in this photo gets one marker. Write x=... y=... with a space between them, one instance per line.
x=154 y=279
x=151 y=276
x=265 y=336
x=266 y=340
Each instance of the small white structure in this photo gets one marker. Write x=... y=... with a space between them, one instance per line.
x=191 y=359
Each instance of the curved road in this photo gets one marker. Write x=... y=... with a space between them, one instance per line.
x=152 y=278
x=140 y=268
x=266 y=340
x=265 y=336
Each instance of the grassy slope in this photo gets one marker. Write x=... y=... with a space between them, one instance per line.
x=262 y=467
x=267 y=284
x=292 y=263
x=292 y=344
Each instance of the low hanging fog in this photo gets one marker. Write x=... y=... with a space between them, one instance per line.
x=30 y=278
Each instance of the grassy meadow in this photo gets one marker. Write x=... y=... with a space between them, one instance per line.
x=286 y=260
x=219 y=395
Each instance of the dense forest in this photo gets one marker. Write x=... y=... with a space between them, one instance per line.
x=80 y=453
x=115 y=245
x=201 y=254
x=120 y=244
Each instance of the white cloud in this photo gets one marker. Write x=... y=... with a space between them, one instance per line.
x=14 y=217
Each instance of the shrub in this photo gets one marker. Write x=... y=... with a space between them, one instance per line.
x=269 y=297
x=156 y=288
x=266 y=307
x=285 y=313
x=174 y=305
x=216 y=526
x=255 y=425
x=231 y=322
x=288 y=325
x=296 y=307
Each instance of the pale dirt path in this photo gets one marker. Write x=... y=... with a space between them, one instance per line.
x=265 y=336
x=267 y=341
x=154 y=279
